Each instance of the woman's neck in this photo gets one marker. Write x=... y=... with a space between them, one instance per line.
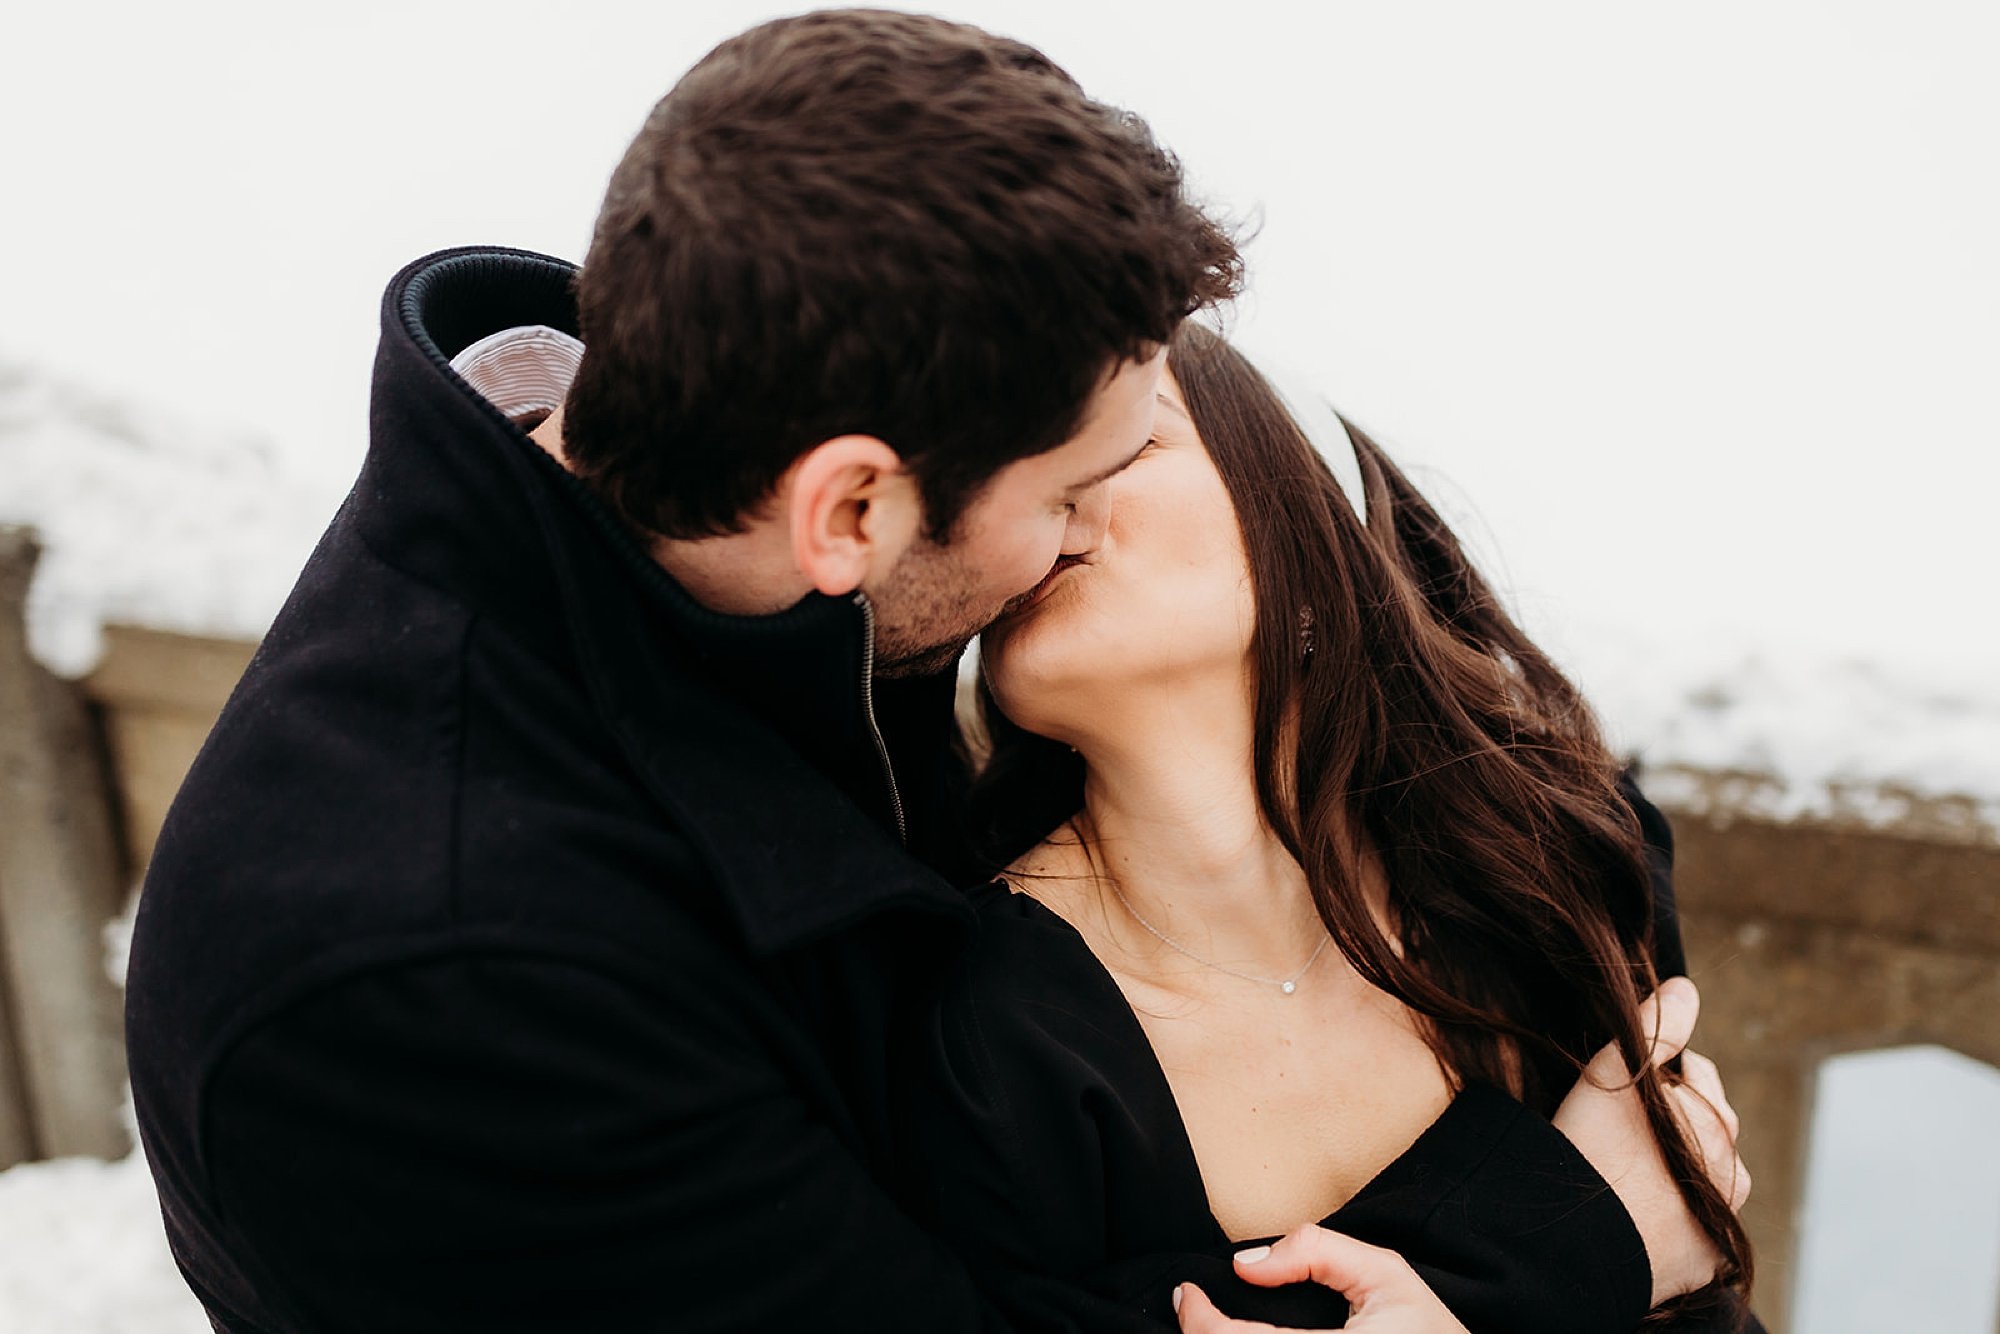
x=1172 y=822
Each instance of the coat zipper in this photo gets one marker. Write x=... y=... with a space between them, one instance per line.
x=868 y=708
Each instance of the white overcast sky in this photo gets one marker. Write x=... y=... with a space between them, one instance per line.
x=1692 y=310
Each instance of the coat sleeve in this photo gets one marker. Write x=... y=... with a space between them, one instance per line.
x=529 y=1144
x=1669 y=956
x=1729 y=1314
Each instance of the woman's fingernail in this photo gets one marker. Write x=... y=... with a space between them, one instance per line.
x=1177 y=1297
x=1253 y=1255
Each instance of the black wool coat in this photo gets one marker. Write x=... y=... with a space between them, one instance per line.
x=527 y=946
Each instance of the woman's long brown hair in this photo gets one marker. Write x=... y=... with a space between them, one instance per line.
x=1428 y=724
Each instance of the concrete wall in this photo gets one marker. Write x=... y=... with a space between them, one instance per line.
x=158 y=694
x=62 y=878
x=86 y=772
x=1815 y=938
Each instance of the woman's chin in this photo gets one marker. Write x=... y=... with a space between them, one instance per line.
x=1030 y=675
x=1056 y=654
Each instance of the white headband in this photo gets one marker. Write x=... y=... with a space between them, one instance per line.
x=1314 y=413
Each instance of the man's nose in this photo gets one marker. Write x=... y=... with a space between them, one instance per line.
x=1088 y=521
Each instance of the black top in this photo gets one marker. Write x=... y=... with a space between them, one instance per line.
x=1050 y=1146
x=1057 y=1149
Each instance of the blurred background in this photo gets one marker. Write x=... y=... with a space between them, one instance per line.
x=1688 y=316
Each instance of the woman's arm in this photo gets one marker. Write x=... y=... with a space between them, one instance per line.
x=1602 y=1116
x=1394 y=1296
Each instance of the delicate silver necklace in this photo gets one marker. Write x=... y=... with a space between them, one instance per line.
x=1286 y=985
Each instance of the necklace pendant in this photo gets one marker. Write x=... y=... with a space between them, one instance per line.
x=1288 y=987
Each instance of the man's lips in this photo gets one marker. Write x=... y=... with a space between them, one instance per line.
x=1039 y=591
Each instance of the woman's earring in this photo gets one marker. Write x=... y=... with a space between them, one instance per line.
x=1305 y=632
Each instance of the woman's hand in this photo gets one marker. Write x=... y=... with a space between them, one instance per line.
x=1604 y=1118
x=1384 y=1294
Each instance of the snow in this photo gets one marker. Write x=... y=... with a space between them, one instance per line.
x=82 y=1251
x=1796 y=735
x=82 y=1248
x=146 y=517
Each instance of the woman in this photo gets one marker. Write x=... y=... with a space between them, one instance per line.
x=1320 y=890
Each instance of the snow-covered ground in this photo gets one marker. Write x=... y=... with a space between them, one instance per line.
x=82 y=1252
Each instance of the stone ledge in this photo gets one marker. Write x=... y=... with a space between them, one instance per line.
x=1723 y=796
x=1905 y=882
x=158 y=669
x=158 y=694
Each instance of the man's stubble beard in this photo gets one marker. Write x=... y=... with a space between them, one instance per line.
x=927 y=611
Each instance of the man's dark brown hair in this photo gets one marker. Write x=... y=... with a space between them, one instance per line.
x=865 y=222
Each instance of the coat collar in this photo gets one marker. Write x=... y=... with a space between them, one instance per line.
x=751 y=731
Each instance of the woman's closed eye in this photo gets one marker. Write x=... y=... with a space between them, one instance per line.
x=1153 y=445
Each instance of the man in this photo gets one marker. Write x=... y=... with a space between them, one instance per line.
x=528 y=947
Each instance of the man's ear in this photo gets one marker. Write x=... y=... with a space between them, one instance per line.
x=852 y=510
